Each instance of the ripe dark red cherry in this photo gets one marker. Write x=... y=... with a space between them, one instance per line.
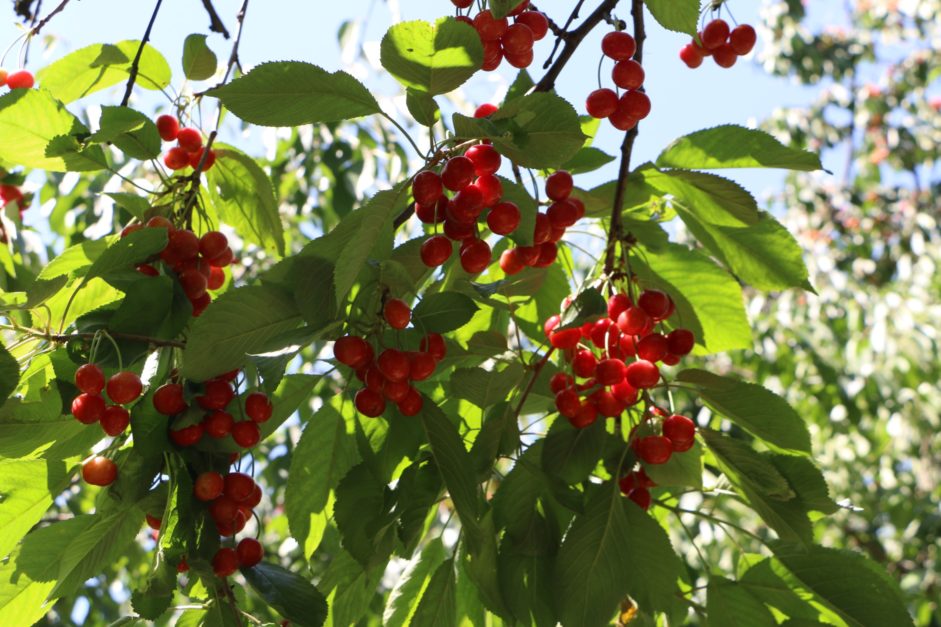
x=99 y=471
x=394 y=391
x=433 y=343
x=475 y=256
x=517 y=40
x=610 y=371
x=411 y=404
x=635 y=104
x=90 y=379
x=485 y=158
x=115 y=420
x=628 y=74
x=488 y=27
x=168 y=127
x=493 y=55
x=680 y=342
x=691 y=55
x=560 y=381
x=238 y=486
x=742 y=39
x=490 y=187
x=124 y=387
x=352 y=351
x=189 y=139
x=212 y=244
x=153 y=522
x=258 y=407
x=458 y=173
x=584 y=364
x=88 y=408
x=655 y=303
x=435 y=250
x=427 y=187
x=654 y=449
x=168 y=399
x=397 y=313
x=633 y=321
x=641 y=496
x=653 y=347
x=246 y=433
x=510 y=261
x=187 y=436
x=218 y=424
x=724 y=56
x=485 y=110
x=176 y=158
x=208 y=486
x=369 y=403
x=536 y=21
x=393 y=364
x=586 y=415
x=503 y=218
x=681 y=431
x=618 y=45
x=249 y=551
x=622 y=120
x=225 y=562
x=567 y=402
x=421 y=366
x=223 y=509
x=559 y=185
x=522 y=60
x=642 y=374
x=715 y=34
x=216 y=395
x=462 y=4
x=601 y=103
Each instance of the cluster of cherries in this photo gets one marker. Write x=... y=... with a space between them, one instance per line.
x=609 y=384
x=232 y=499
x=208 y=416
x=678 y=434
x=21 y=79
x=478 y=196
x=725 y=45
x=502 y=40
x=198 y=262
x=626 y=110
x=388 y=376
x=188 y=151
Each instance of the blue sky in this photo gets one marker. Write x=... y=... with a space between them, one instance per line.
x=684 y=100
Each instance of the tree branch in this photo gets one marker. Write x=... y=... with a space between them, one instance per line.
x=215 y=22
x=572 y=40
x=135 y=65
x=35 y=30
x=615 y=230
x=61 y=338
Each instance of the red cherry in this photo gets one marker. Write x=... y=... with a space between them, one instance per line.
x=462 y=4
x=568 y=338
x=518 y=39
x=715 y=34
x=617 y=304
x=610 y=371
x=622 y=119
x=510 y=262
x=212 y=244
x=153 y=522
x=421 y=366
x=548 y=252
x=466 y=205
x=567 y=402
x=370 y=403
x=601 y=103
x=488 y=27
x=216 y=278
x=653 y=347
x=22 y=79
x=681 y=431
x=200 y=304
x=393 y=364
x=187 y=436
x=246 y=433
x=485 y=158
x=249 y=551
x=742 y=39
x=458 y=231
x=189 y=139
x=485 y=110
x=635 y=104
x=160 y=222
x=584 y=364
x=641 y=496
x=168 y=127
x=493 y=55
x=90 y=379
x=115 y=420
x=560 y=381
x=491 y=189
x=681 y=341
x=223 y=509
x=559 y=185
x=182 y=246
x=352 y=351
x=691 y=55
x=147 y=270
x=586 y=415
x=618 y=45
x=628 y=74
x=633 y=321
x=624 y=392
x=503 y=218
x=258 y=407
x=536 y=21
x=475 y=256
x=519 y=8
x=197 y=157
x=654 y=449
x=725 y=56
x=562 y=214
x=216 y=394
x=458 y=173
x=607 y=403
x=224 y=259
x=411 y=404
x=124 y=387
x=426 y=188
x=225 y=562
x=433 y=343
x=238 y=486
x=397 y=313
x=88 y=408
x=218 y=424
x=193 y=283
x=527 y=254
x=395 y=391
x=99 y=471
x=670 y=359
x=208 y=486
x=176 y=158
x=435 y=250
x=655 y=303
x=642 y=374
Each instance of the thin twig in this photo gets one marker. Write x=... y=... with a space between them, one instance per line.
x=215 y=22
x=35 y=30
x=61 y=338
x=557 y=30
x=572 y=40
x=135 y=64
x=615 y=234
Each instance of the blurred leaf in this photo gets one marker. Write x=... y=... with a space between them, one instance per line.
x=199 y=62
x=731 y=604
x=485 y=387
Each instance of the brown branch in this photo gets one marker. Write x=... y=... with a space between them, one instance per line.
x=615 y=231
x=35 y=30
x=557 y=30
x=572 y=40
x=215 y=22
x=135 y=64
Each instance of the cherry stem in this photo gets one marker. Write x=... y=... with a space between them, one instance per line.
x=135 y=64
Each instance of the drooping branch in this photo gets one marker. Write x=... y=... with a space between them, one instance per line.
x=615 y=230
x=215 y=22
x=135 y=64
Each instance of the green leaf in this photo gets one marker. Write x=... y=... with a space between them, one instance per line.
x=99 y=66
x=540 y=130
x=438 y=605
x=501 y=8
x=681 y=470
x=39 y=132
x=292 y=596
x=243 y=196
x=422 y=106
x=293 y=93
x=587 y=159
x=124 y=253
x=434 y=59
x=728 y=603
x=589 y=305
x=9 y=374
x=361 y=231
x=136 y=205
x=520 y=86
x=499 y=435
x=485 y=387
x=732 y=146
x=324 y=454
x=199 y=62
x=27 y=487
x=708 y=300
x=807 y=482
x=416 y=495
x=613 y=549
x=413 y=584
x=763 y=583
x=131 y=131
x=756 y=409
x=363 y=514
x=455 y=465
x=442 y=312
x=857 y=589
x=240 y=322
x=681 y=16
x=572 y=454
